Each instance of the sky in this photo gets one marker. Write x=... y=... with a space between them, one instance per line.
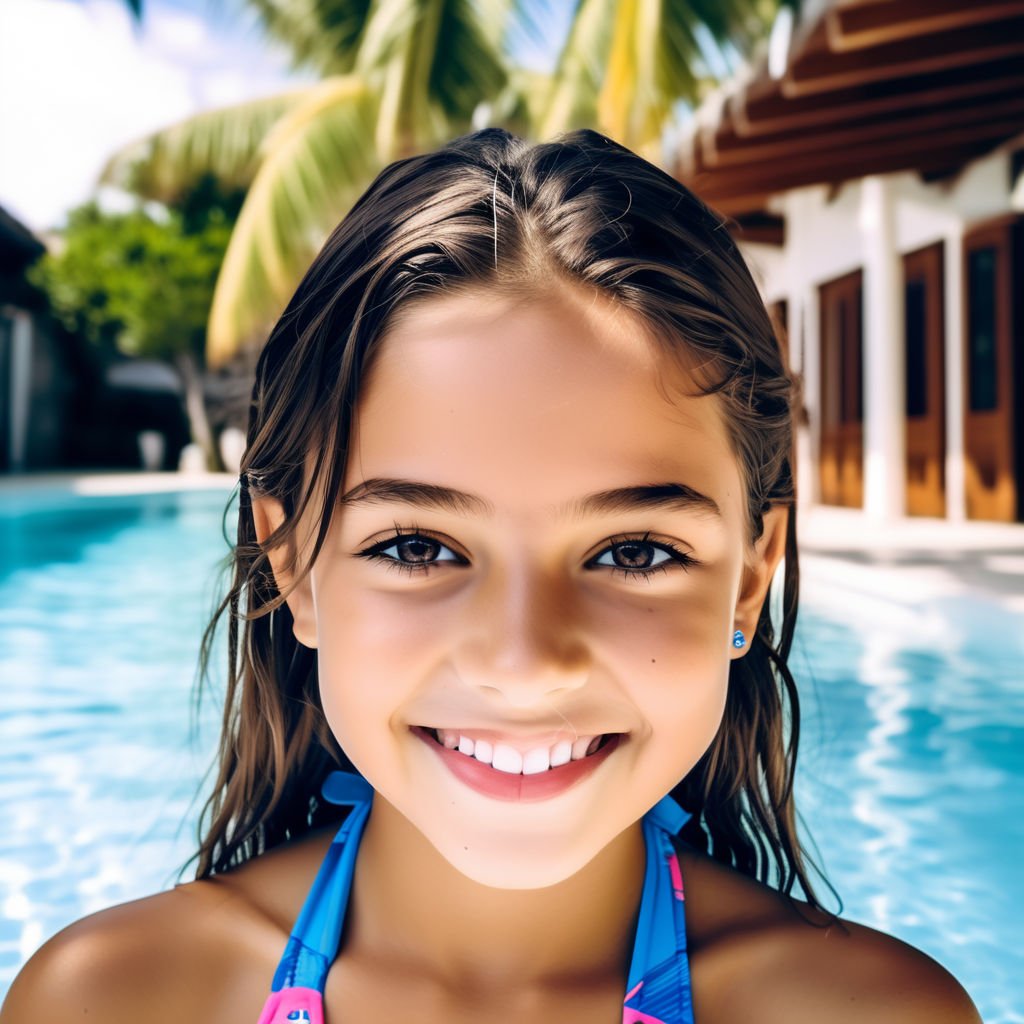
x=81 y=78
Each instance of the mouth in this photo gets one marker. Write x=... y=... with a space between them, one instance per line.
x=504 y=772
x=515 y=760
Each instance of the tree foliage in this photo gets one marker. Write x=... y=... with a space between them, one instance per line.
x=141 y=282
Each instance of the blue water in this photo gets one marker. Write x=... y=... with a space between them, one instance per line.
x=102 y=601
x=911 y=766
x=912 y=776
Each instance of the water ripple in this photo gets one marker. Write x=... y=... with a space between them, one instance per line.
x=911 y=761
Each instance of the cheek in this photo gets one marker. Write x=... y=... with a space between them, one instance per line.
x=372 y=652
x=687 y=632
x=672 y=660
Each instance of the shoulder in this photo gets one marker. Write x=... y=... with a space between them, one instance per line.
x=202 y=951
x=128 y=963
x=758 y=955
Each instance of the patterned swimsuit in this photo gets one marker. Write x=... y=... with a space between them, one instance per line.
x=658 y=990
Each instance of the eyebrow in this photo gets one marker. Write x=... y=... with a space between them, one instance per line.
x=668 y=497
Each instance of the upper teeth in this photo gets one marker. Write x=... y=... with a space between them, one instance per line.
x=505 y=758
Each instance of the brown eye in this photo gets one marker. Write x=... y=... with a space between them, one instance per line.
x=417 y=549
x=412 y=552
x=633 y=555
x=636 y=557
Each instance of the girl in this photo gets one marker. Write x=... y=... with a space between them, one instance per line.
x=518 y=480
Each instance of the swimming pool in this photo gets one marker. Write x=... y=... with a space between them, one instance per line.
x=911 y=765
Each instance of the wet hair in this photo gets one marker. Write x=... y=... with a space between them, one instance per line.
x=490 y=210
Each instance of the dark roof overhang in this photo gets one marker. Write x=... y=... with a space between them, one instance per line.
x=870 y=86
x=18 y=246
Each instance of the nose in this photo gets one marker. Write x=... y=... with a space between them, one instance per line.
x=522 y=638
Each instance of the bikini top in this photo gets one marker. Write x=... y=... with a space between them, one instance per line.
x=658 y=988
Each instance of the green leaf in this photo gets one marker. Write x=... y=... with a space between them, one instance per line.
x=321 y=34
x=433 y=63
x=520 y=105
x=580 y=69
x=316 y=162
x=626 y=63
x=130 y=281
x=225 y=143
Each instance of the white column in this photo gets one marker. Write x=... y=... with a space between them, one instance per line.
x=809 y=480
x=953 y=290
x=802 y=296
x=884 y=359
x=794 y=328
x=21 y=385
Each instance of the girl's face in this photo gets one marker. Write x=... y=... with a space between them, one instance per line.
x=542 y=551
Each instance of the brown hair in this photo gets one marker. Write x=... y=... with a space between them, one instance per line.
x=490 y=209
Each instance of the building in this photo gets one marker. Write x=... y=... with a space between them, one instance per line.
x=35 y=380
x=874 y=164
x=64 y=403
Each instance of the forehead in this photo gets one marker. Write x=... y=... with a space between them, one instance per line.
x=532 y=400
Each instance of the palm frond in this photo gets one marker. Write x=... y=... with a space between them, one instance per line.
x=316 y=161
x=626 y=63
x=321 y=34
x=508 y=24
x=224 y=142
x=652 y=64
x=520 y=105
x=434 y=62
x=580 y=69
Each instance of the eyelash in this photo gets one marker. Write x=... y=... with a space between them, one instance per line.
x=374 y=553
x=679 y=559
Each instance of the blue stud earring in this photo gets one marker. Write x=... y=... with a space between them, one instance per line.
x=738 y=639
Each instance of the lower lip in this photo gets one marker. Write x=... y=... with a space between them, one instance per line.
x=505 y=786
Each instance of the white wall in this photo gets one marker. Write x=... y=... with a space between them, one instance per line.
x=826 y=237
x=823 y=236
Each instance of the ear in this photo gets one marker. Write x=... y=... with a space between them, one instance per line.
x=757 y=574
x=268 y=515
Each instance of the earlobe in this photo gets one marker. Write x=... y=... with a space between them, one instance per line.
x=268 y=516
x=757 y=577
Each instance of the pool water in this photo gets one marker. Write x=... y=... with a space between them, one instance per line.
x=912 y=773
x=102 y=602
x=911 y=765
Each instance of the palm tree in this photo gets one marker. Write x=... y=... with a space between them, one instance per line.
x=400 y=76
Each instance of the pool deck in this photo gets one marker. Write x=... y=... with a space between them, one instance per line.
x=919 y=557
x=910 y=554
x=112 y=482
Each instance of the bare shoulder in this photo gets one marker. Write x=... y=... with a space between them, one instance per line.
x=201 y=951
x=126 y=963
x=758 y=955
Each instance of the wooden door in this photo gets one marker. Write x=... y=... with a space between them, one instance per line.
x=925 y=382
x=991 y=443
x=841 y=444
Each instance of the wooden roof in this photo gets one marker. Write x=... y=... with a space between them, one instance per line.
x=870 y=86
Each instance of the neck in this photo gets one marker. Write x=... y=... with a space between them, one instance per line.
x=410 y=907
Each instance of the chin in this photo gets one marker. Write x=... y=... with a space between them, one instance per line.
x=515 y=865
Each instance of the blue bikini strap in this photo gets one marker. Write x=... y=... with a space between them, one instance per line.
x=659 y=979
x=317 y=933
x=658 y=988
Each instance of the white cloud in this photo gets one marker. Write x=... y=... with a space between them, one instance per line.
x=179 y=34
x=79 y=79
